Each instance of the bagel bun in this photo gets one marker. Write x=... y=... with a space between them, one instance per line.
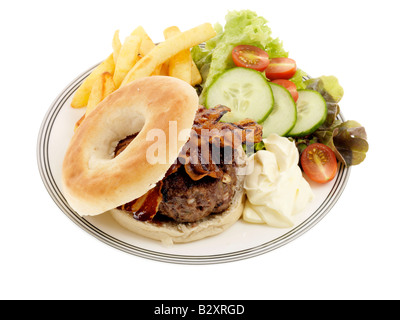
x=94 y=181
x=171 y=232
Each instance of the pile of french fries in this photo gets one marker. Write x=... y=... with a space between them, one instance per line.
x=137 y=57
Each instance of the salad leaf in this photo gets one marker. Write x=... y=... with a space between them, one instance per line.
x=303 y=142
x=299 y=79
x=275 y=49
x=348 y=140
x=328 y=86
x=203 y=56
x=242 y=27
x=249 y=149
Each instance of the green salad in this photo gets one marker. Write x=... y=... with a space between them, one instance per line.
x=249 y=71
x=242 y=27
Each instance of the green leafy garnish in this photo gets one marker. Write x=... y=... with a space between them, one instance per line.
x=328 y=85
x=249 y=149
x=299 y=79
x=348 y=140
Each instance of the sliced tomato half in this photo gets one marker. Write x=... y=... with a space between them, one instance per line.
x=281 y=68
x=319 y=163
x=247 y=56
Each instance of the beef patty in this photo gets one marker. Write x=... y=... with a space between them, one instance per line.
x=186 y=200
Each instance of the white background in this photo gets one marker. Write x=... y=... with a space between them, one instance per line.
x=353 y=253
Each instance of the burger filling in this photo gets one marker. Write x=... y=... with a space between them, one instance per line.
x=203 y=179
x=188 y=200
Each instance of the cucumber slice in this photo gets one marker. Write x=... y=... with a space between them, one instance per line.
x=245 y=91
x=311 y=113
x=284 y=114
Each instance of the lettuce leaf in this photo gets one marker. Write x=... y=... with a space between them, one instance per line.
x=299 y=79
x=328 y=86
x=348 y=140
x=203 y=56
x=242 y=27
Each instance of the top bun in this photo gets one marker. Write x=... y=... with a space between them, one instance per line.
x=93 y=180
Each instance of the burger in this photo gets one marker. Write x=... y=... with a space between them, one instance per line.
x=196 y=193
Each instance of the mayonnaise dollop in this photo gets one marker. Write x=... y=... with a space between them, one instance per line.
x=274 y=184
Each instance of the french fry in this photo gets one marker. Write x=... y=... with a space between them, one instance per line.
x=195 y=73
x=103 y=86
x=147 y=44
x=196 y=76
x=116 y=44
x=157 y=71
x=180 y=65
x=164 y=69
x=81 y=96
x=167 y=49
x=128 y=56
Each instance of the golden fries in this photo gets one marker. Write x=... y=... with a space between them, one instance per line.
x=103 y=86
x=167 y=49
x=116 y=44
x=179 y=69
x=127 y=58
x=164 y=68
x=147 y=44
x=180 y=65
x=139 y=57
x=195 y=75
x=81 y=96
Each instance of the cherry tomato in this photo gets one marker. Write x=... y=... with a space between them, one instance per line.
x=281 y=68
x=250 y=57
x=290 y=86
x=319 y=163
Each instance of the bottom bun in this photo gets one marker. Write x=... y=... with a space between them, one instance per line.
x=173 y=232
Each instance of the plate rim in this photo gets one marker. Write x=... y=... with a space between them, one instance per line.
x=57 y=196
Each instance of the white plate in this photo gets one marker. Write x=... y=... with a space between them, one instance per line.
x=241 y=241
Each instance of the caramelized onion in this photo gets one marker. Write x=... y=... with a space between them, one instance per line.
x=145 y=207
